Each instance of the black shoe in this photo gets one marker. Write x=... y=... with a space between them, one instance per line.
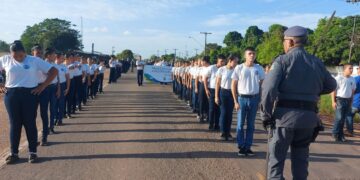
x=59 y=123
x=33 y=158
x=216 y=128
x=11 y=159
x=223 y=137
x=250 y=153
x=342 y=139
x=229 y=137
x=44 y=142
x=242 y=152
x=52 y=131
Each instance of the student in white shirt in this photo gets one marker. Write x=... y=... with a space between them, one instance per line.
x=102 y=69
x=203 y=98
x=342 y=98
x=44 y=98
x=93 y=77
x=64 y=82
x=112 y=65
x=140 y=71
x=53 y=94
x=245 y=87
x=69 y=110
x=21 y=98
x=77 y=84
x=223 y=96
x=214 y=110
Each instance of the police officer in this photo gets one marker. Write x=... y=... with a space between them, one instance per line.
x=22 y=96
x=295 y=82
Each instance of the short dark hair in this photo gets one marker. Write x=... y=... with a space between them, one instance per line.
x=17 y=46
x=206 y=59
x=233 y=57
x=250 y=49
x=347 y=65
x=221 y=56
x=49 y=51
x=68 y=55
x=36 y=47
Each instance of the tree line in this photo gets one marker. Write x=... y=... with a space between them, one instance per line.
x=333 y=50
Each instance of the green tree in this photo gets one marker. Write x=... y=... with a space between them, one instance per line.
x=55 y=33
x=4 y=47
x=125 y=54
x=272 y=45
x=333 y=45
x=214 y=50
x=233 y=38
x=253 y=37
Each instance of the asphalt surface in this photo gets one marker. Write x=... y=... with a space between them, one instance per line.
x=133 y=132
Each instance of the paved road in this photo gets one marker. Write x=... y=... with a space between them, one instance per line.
x=133 y=132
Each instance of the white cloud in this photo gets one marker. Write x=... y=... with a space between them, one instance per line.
x=126 y=33
x=97 y=30
x=285 y=18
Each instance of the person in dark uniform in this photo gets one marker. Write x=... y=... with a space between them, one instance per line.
x=22 y=96
x=112 y=65
x=295 y=82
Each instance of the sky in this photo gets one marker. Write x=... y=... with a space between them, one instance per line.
x=153 y=27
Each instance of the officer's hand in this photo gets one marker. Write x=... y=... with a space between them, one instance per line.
x=38 y=90
x=269 y=123
x=196 y=91
x=237 y=106
x=334 y=105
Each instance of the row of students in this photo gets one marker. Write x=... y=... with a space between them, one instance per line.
x=59 y=84
x=214 y=91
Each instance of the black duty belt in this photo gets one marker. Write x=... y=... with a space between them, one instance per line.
x=296 y=104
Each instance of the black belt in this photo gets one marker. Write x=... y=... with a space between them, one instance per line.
x=223 y=89
x=248 y=96
x=347 y=99
x=296 y=104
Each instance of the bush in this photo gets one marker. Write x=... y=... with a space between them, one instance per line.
x=325 y=105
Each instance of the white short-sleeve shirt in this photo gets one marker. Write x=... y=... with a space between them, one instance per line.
x=102 y=69
x=85 y=68
x=225 y=74
x=63 y=70
x=71 y=69
x=211 y=75
x=93 y=68
x=345 y=86
x=248 y=78
x=77 y=70
x=140 y=65
x=23 y=74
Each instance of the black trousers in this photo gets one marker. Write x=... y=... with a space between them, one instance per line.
x=203 y=103
x=140 y=77
x=101 y=82
x=21 y=106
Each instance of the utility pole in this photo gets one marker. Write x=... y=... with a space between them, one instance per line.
x=352 y=39
x=82 y=32
x=112 y=50
x=196 y=50
x=166 y=51
x=206 y=34
x=174 y=57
